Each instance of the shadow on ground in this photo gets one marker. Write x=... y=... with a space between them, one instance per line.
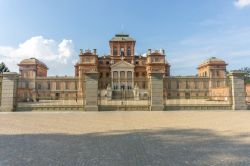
x=173 y=147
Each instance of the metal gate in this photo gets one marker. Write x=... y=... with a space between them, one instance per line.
x=123 y=94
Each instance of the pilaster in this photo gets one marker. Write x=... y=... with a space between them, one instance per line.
x=238 y=90
x=9 y=92
x=91 y=91
x=156 y=91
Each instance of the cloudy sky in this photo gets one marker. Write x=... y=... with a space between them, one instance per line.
x=190 y=31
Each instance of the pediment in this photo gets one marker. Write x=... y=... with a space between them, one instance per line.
x=122 y=64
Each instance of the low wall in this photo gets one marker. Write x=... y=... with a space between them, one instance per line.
x=196 y=104
x=220 y=94
x=1 y=77
x=248 y=93
x=123 y=102
x=51 y=105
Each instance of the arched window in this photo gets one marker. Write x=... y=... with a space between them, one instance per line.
x=115 y=51
x=128 y=51
x=122 y=52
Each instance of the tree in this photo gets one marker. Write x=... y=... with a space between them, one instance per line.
x=3 y=68
x=246 y=70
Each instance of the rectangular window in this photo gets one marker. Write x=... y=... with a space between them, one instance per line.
x=87 y=60
x=57 y=86
x=67 y=85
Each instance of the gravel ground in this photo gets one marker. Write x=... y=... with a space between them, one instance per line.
x=194 y=138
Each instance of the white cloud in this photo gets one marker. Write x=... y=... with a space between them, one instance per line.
x=231 y=45
x=242 y=3
x=46 y=50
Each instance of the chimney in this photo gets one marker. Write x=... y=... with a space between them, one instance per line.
x=94 y=50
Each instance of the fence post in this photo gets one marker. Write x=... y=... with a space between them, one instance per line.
x=9 y=91
x=91 y=91
x=156 y=91
x=238 y=90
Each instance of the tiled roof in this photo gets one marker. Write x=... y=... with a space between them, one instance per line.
x=122 y=37
x=32 y=61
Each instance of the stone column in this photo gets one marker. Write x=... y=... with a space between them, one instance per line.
x=112 y=80
x=238 y=90
x=156 y=91
x=9 y=92
x=119 y=80
x=132 y=80
x=126 y=79
x=91 y=91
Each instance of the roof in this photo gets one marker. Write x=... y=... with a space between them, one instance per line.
x=213 y=60
x=32 y=61
x=122 y=37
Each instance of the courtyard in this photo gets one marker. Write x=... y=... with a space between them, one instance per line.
x=172 y=138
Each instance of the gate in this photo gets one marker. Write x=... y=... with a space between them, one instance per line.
x=123 y=94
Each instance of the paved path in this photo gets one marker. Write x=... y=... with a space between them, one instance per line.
x=220 y=138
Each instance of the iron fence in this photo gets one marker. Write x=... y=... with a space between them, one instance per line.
x=213 y=89
x=51 y=91
x=1 y=77
x=247 y=85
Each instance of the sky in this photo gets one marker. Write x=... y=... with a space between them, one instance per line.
x=189 y=31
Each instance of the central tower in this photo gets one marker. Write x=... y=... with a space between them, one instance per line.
x=122 y=46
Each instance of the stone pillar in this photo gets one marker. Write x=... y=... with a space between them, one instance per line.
x=238 y=90
x=91 y=91
x=9 y=92
x=156 y=91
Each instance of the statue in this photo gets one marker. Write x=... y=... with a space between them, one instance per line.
x=109 y=92
x=81 y=51
x=136 y=91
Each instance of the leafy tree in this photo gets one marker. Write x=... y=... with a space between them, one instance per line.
x=246 y=70
x=3 y=68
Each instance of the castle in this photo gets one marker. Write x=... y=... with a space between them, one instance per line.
x=124 y=78
x=122 y=63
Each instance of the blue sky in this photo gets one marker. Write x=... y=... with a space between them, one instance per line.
x=190 y=31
